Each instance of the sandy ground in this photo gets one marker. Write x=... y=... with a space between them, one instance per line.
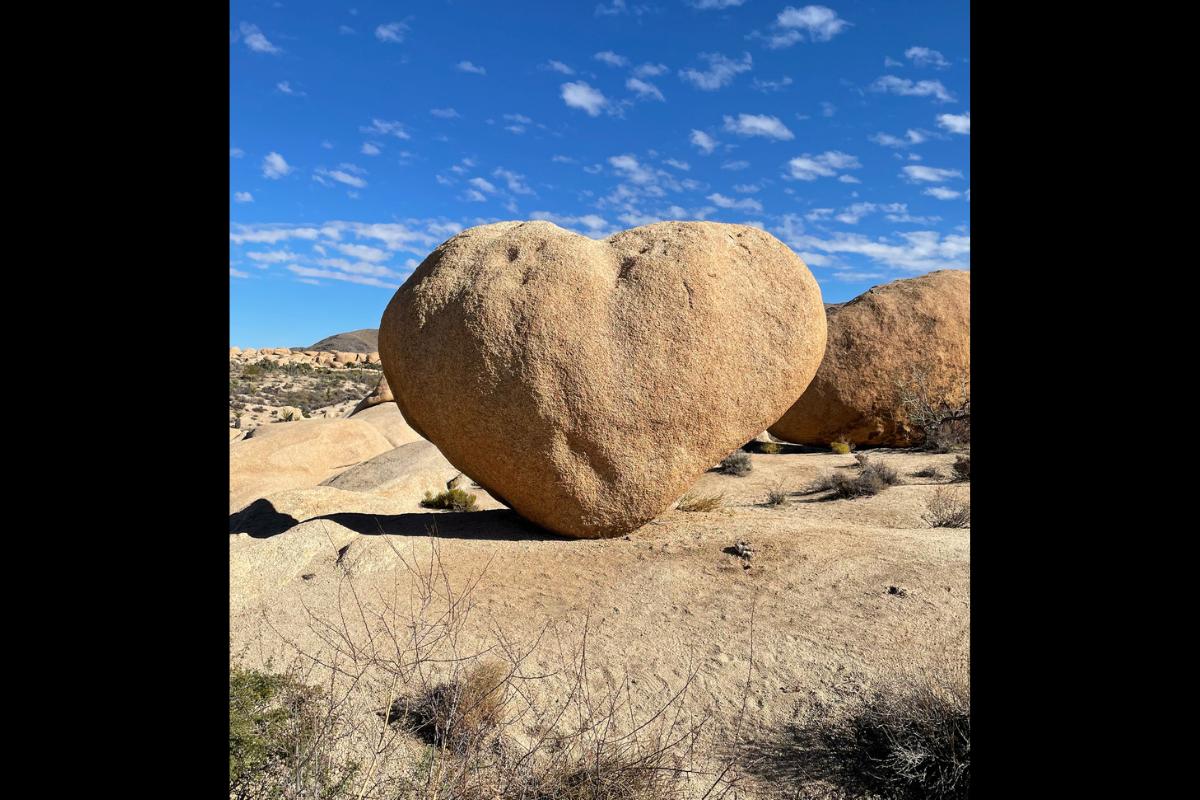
x=840 y=593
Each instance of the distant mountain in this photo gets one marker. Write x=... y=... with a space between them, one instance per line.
x=364 y=341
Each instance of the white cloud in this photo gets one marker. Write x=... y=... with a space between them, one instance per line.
x=630 y=169
x=558 y=66
x=391 y=32
x=474 y=196
x=362 y=252
x=273 y=166
x=649 y=70
x=820 y=23
x=383 y=127
x=898 y=212
x=581 y=95
x=887 y=140
x=704 y=141
x=916 y=174
x=771 y=86
x=612 y=59
x=828 y=109
x=923 y=56
x=955 y=123
x=236 y=152
x=619 y=7
x=942 y=193
x=849 y=179
x=326 y=145
x=745 y=188
x=592 y=225
x=480 y=183
x=735 y=165
x=854 y=213
x=758 y=125
x=968 y=193
x=518 y=118
x=444 y=113
x=683 y=165
x=919 y=251
x=745 y=204
x=345 y=30
x=256 y=41
x=858 y=276
x=563 y=159
x=888 y=61
x=370 y=149
x=818 y=214
x=720 y=73
x=237 y=273
x=444 y=181
x=467 y=66
x=340 y=176
x=515 y=181
x=644 y=90
x=718 y=4
x=271 y=257
x=592 y=170
x=809 y=168
x=341 y=276
x=242 y=197
x=904 y=86
x=286 y=88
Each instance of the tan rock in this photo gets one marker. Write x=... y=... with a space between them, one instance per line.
x=403 y=474
x=874 y=337
x=341 y=357
x=380 y=394
x=235 y=434
x=311 y=353
x=593 y=381
x=295 y=414
x=280 y=511
x=372 y=358
x=387 y=419
x=274 y=458
x=234 y=352
x=249 y=352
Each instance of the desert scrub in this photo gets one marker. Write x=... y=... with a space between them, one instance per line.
x=454 y=499
x=695 y=502
x=778 y=494
x=737 y=463
x=948 y=508
x=927 y=472
x=770 y=448
x=887 y=474
x=841 y=448
x=962 y=468
x=460 y=713
x=281 y=735
x=866 y=484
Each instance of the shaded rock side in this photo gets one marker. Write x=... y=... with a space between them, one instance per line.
x=874 y=338
x=591 y=382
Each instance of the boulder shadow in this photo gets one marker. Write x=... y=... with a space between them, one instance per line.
x=498 y=525
x=260 y=520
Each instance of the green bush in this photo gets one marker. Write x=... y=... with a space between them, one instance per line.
x=770 y=448
x=841 y=448
x=454 y=499
x=737 y=463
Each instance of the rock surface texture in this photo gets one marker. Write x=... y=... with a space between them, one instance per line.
x=588 y=383
x=872 y=339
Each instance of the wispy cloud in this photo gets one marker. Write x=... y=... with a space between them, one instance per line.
x=236 y=152
x=649 y=70
x=391 y=32
x=923 y=57
x=382 y=128
x=887 y=140
x=273 y=166
x=558 y=66
x=735 y=165
x=370 y=148
x=745 y=204
x=758 y=125
x=942 y=193
x=808 y=167
x=242 y=197
x=955 y=123
x=467 y=66
x=255 y=40
x=612 y=59
x=917 y=174
x=683 y=165
x=644 y=89
x=820 y=23
x=906 y=87
x=581 y=95
x=705 y=142
x=721 y=71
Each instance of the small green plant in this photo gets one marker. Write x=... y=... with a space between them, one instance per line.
x=770 y=448
x=841 y=448
x=454 y=499
x=694 y=502
x=778 y=494
x=948 y=508
x=251 y=371
x=962 y=468
x=737 y=463
x=289 y=416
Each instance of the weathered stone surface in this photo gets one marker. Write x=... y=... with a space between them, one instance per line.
x=274 y=458
x=382 y=393
x=592 y=382
x=372 y=358
x=387 y=419
x=234 y=352
x=873 y=338
x=403 y=474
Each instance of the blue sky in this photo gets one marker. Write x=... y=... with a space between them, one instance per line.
x=362 y=136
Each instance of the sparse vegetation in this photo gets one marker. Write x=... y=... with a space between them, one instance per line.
x=737 y=463
x=866 y=484
x=841 y=448
x=950 y=507
x=695 y=502
x=941 y=413
x=459 y=714
x=454 y=499
x=770 y=448
x=861 y=458
x=928 y=472
x=778 y=494
x=962 y=468
x=887 y=474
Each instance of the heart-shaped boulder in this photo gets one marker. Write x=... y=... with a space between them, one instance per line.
x=586 y=383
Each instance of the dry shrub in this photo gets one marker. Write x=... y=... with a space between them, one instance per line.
x=962 y=468
x=770 y=448
x=694 y=502
x=454 y=499
x=460 y=712
x=841 y=448
x=778 y=494
x=861 y=458
x=927 y=472
x=737 y=463
x=886 y=474
x=866 y=484
x=948 y=508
